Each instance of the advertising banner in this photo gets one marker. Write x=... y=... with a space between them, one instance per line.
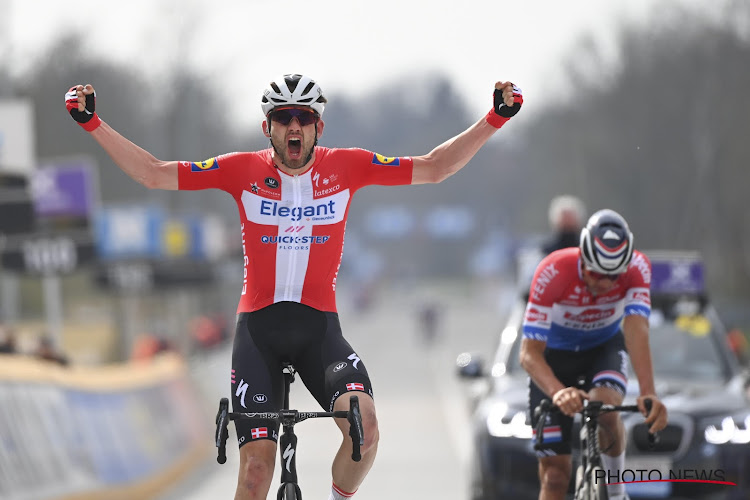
x=17 y=143
x=69 y=433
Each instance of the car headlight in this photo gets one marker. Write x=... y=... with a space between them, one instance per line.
x=504 y=423
x=731 y=430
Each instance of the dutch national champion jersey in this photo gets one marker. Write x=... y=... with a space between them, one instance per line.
x=562 y=312
x=293 y=226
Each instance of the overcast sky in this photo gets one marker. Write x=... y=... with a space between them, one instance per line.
x=349 y=46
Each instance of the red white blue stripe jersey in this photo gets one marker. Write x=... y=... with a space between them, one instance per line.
x=563 y=313
x=293 y=225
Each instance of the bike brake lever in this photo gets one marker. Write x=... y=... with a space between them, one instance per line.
x=356 y=432
x=653 y=438
x=221 y=430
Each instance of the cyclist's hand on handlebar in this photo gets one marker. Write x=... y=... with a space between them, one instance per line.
x=657 y=417
x=569 y=400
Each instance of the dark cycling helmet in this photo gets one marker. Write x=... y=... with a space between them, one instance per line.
x=606 y=243
x=293 y=90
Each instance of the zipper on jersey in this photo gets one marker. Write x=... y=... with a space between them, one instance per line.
x=291 y=270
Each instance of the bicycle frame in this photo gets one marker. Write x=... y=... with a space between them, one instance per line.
x=587 y=487
x=289 y=489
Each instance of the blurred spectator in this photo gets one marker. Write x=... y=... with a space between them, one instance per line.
x=46 y=350
x=739 y=345
x=7 y=340
x=566 y=217
x=208 y=331
x=429 y=321
x=146 y=346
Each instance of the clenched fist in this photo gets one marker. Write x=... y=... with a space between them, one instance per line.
x=80 y=102
x=506 y=102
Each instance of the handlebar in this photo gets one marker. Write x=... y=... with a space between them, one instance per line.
x=591 y=409
x=290 y=417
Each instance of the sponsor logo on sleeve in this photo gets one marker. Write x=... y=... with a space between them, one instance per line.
x=533 y=315
x=385 y=160
x=205 y=166
x=640 y=295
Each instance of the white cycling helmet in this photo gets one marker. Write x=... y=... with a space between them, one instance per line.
x=606 y=243
x=293 y=90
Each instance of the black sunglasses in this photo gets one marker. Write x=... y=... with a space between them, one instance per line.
x=284 y=116
x=601 y=276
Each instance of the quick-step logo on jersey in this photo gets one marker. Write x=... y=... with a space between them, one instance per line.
x=205 y=166
x=385 y=160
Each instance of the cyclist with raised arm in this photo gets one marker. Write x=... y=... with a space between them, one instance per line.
x=586 y=316
x=293 y=200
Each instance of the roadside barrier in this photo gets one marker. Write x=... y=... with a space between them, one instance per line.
x=81 y=433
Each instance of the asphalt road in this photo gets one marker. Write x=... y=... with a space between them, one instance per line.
x=425 y=436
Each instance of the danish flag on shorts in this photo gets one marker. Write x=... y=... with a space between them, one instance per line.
x=355 y=387
x=259 y=432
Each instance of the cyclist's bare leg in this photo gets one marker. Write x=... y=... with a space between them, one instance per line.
x=554 y=477
x=257 y=461
x=348 y=474
x=611 y=428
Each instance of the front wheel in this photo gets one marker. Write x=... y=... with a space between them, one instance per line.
x=289 y=491
x=598 y=489
x=580 y=492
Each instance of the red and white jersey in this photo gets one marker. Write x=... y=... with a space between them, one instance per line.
x=562 y=312
x=293 y=226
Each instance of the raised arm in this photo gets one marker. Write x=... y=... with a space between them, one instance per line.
x=448 y=158
x=135 y=161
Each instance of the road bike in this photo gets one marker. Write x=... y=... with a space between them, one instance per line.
x=591 y=477
x=287 y=418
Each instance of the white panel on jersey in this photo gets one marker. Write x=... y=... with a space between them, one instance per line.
x=294 y=216
x=287 y=212
x=589 y=317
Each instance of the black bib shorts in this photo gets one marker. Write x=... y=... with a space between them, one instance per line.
x=289 y=332
x=603 y=366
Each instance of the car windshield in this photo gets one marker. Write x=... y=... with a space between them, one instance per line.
x=684 y=344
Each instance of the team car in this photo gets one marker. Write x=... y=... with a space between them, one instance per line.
x=704 y=448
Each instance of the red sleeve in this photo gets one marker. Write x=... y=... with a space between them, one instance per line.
x=219 y=172
x=366 y=168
